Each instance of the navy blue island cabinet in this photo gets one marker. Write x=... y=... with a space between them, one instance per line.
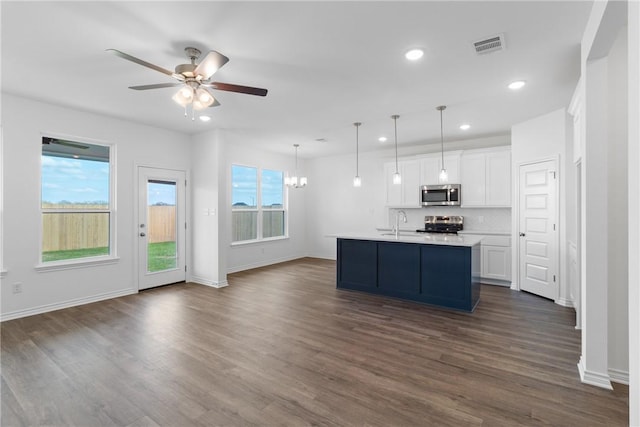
x=442 y=275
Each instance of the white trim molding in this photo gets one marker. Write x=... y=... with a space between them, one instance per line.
x=594 y=378
x=565 y=302
x=619 y=376
x=207 y=282
x=262 y=264
x=65 y=304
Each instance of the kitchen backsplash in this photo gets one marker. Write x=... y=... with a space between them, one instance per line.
x=475 y=219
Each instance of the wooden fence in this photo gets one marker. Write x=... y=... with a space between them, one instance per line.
x=67 y=231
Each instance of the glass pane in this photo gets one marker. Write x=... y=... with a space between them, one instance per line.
x=75 y=175
x=272 y=224
x=162 y=253
x=244 y=191
x=74 y=235
x=272 y=189
x=245 y=225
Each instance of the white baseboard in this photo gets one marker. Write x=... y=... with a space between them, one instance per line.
x=594 y=378
x=65 y=304
x=619 y=376
x=211 y=283
x=565 y=302
x=262 y=263
x=495 y=282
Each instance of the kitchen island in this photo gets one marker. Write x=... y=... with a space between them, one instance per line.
x=442 y=270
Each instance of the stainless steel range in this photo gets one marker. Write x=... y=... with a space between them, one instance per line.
x=442 y=224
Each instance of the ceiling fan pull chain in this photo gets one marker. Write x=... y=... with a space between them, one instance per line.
x=185 y=110
x=193 y=113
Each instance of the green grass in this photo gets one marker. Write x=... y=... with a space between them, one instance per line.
x=161 y=256
x=73 y=254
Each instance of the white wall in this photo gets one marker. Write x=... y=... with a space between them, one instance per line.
x=604 y=290
x=544 y=138
x=335 y=206
x=23 y=122
x=251 y=255
x=208 y=263
x=617 y=209
x=634 y=210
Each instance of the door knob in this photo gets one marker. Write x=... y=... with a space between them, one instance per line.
x=522 y=234
x=142 y=234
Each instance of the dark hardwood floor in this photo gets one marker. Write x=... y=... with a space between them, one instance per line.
x=282 y=346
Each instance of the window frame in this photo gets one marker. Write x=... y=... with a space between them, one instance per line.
x=259 y=209
x=110 y=258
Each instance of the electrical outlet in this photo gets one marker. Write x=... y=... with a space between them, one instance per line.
x=17 y=288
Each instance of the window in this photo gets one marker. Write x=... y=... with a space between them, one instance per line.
x=77 y=212
x=258 y=208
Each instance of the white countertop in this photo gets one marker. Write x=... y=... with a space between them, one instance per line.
x=485 y=233
x=412 y=237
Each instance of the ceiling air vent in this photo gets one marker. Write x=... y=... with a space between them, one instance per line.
x=490 y=44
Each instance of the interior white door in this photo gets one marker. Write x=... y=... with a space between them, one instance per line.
x=161 y=227
x=537 y=229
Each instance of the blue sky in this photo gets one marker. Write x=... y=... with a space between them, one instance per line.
x=74 y=180
x=161 y=193
x=245 y=186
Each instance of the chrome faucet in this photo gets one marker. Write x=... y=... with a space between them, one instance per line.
x=404 y=219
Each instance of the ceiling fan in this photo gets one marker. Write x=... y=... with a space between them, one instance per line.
x=194 y=79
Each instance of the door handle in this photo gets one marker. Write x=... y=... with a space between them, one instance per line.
x=522 y=234
x=142 y=234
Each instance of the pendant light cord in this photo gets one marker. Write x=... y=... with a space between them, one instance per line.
x=441 y=108
x=395 y=131
x=357 y=125
x=441 y=140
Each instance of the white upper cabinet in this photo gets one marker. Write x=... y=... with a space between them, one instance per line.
x=406 y=194
x=486 y=178
x=498 y=175
x=473 y=185
x=431 y=166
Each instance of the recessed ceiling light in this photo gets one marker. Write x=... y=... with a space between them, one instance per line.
x=519 y=84
x=414 y=54
x=382 y=139
x=205 y=118
x=465 y=126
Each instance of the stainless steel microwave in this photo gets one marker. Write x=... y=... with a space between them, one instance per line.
x=440 y=195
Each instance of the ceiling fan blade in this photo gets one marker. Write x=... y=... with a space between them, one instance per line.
x=210 y=64
x=215 y=103
x=156 y=86
x=240 y=89
x=146 y=64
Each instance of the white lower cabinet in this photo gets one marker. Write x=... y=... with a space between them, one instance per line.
x=495 y=258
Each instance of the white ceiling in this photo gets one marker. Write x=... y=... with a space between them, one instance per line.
x=326 y=65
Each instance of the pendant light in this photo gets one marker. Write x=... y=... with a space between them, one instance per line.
x=357 y=182
x=397 y=179
x=444 y=177
x=293 y=181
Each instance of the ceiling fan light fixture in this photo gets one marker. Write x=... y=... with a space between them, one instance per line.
x=184 y=96
x=204 y=97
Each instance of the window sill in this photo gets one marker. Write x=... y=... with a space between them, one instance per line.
x=253 y=242
x=67 y=265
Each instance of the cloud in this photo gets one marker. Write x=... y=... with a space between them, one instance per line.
x=83 y=190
